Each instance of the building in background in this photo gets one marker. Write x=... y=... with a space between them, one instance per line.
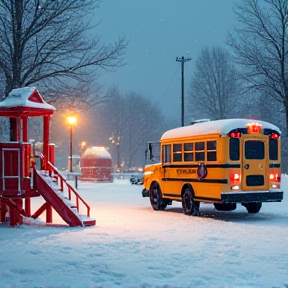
x=96 y=165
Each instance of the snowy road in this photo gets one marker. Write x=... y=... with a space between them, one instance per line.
x=134 y=246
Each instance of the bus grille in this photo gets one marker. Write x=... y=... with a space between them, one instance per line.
x=255 y=180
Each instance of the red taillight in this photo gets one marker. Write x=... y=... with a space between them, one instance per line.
x=235 y=178
x=235 y=134
x=274 y=177
x=274 y=136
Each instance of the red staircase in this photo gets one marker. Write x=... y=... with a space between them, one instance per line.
x=61 y=196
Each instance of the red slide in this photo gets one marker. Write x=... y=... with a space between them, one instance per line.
x=52 y=193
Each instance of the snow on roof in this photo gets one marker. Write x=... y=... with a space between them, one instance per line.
x=98 y=152
x=25 y=97
x=223 y=127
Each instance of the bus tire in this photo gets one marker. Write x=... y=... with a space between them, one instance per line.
x=190 y=207
x=225 y=206
x=156 y=200
x=253 y=207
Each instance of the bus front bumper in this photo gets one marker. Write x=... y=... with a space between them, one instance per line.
x=145 y=193
x=251 y=196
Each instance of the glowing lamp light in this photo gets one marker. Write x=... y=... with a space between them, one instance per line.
x=254 y=128
x=71 y=120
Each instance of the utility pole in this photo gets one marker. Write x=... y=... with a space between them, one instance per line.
x=182 y=60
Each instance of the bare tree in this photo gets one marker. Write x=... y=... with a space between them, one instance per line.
x=214 y=88
x=52 y=44
x=260 y=43
x=144 y=122
x=134 y=119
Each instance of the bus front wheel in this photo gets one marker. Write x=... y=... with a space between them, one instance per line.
x=156 y=200
x=190 y=207
x=253 y=207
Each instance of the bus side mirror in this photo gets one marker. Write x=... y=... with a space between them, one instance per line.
x=150 y=151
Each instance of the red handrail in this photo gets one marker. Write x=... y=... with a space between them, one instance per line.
x=58 y=177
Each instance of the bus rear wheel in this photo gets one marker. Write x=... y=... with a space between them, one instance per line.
x=190 y=207
x=253 y=207
x=156 y=200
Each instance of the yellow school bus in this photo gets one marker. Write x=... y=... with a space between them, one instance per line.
x=223 y=162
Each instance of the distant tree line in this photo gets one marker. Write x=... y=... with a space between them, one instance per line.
x=124 y=124
x=131 y=120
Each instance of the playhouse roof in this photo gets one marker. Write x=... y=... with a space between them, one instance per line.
x=25 y=101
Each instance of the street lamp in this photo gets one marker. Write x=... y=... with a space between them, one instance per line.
x=83 y=147
x=116 y=141
x=71 y=121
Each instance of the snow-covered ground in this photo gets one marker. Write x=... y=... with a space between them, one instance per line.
x=134 y=246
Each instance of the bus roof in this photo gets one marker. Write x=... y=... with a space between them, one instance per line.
x=222 y=127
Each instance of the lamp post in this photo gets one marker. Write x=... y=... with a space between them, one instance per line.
x=116 y=141
x=83 y=147
x=71 y=121
x=118 y=152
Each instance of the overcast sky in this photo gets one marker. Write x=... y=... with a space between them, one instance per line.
x=159 y=31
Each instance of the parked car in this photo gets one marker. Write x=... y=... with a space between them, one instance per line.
x=136 y=179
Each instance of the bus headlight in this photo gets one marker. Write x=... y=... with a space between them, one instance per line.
x=147 y=173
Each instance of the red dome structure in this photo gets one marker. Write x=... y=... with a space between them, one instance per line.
x=96 y=165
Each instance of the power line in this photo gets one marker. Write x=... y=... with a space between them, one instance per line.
x=168 y=87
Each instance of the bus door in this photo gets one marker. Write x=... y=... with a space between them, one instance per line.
x=254 y=162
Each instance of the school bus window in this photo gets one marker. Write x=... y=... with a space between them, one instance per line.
x=177 y=152
x=188 y=152
x=211 y=145
x=166 y=153
x=188 y=147
x=199 y=146
x=211 y=151
x=254 y=150
x=199 y=151
x=177 y=147
x=234 y=149
x=273 y=149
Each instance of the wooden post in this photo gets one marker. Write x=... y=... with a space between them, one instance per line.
x=46 y=128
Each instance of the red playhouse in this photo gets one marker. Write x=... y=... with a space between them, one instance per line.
x=96 y=165
x=20 y=177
